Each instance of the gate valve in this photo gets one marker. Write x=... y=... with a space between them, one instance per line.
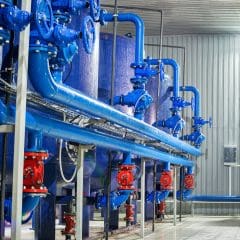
x=129 y=212
x=178 y=104
x=189 y=181
x=175 y=123
x=70 y=221
x=95 y=9
x=33 y=173
x=44 y=18
x=72 y=6
x=125 y=177
x=88 y=34
x=196 y=137
x=199 y=122
x=166 y=180
x=12 y=18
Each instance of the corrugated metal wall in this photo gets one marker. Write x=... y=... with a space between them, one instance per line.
x=213 y=66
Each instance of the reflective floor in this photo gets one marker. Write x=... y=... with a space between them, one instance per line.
x=191 y=228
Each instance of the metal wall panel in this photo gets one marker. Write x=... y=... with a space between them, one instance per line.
x=213 y=66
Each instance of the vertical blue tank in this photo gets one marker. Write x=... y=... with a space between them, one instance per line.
x=125 y=52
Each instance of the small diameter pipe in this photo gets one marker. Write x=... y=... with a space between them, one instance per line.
x=56 y=128
x=44 y=83
x=197 y=98
x=173 y=63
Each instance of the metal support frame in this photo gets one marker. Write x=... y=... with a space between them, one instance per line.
x=142 y=225
x=19 y=136
x=79 y=193
x=175 y=196
x=230 y=180
x=154 y=195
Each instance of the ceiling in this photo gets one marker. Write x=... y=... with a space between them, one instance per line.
x=183 y=16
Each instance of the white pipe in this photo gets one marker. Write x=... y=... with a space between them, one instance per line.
x=230 y=181
x=142 y=198
x=19 y=136
x=79 y=194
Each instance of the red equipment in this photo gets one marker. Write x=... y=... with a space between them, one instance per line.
x=189 y=181
x=70 y=221
x=166 y=180
x=125 y=177
x=129 y=212
x=33 y=173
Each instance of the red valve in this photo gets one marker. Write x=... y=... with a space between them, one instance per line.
x=125 y=177
x=70 y=221
x=33 y=173
x=189 y=181
x=166 y=180
x=129 y=212
x=161 y=207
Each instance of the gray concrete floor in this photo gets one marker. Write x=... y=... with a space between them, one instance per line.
x=191 y=228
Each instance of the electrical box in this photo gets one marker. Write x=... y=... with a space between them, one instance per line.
x=230 y=155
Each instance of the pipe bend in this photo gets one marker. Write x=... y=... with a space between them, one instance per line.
x=139 y=26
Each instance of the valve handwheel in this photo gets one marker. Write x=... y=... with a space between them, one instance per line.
x=95 y=9
x=44 y=18
x=88 y=34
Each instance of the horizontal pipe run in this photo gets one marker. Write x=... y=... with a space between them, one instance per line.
x=213 y=198
x=44 y=83
x=74 y=133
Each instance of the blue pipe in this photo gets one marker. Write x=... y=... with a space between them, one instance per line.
x=163 y=194
x=173 y=63
x=29 y=203
x=44 y=83
x=139 y=26
x=197 y=98
x=212 y=198
x=195 y=91
x=34 y=141
x=73 y=133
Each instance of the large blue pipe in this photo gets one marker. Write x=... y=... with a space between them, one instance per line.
x=74 y=133
x=139 y=26
x=174 y=64
x=29 y=203
x=44 y=83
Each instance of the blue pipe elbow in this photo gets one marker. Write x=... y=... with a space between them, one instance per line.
x=197 y=99
x=173 y=63
x=28 y=205
x=139 y=26
x=116 y=199
x=159 y=196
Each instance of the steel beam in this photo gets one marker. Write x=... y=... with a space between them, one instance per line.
x=19 y=136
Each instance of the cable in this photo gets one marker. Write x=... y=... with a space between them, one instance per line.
x=61 y=168
x=60 y=161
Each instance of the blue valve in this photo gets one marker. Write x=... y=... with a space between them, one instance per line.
x=44 y=18
x=88 y=34
x=179 y=103
x=199 y=122
x=95 y=9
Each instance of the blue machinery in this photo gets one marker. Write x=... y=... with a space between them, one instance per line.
x=52 y=48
